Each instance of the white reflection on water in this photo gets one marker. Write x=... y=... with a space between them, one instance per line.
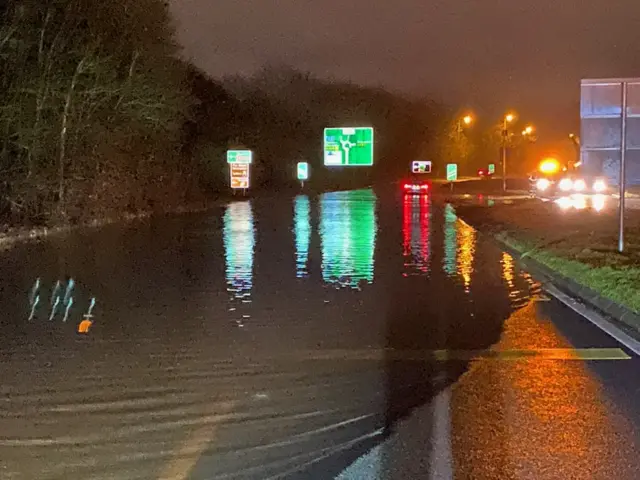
x=597 y=202
x=302 y=233
x=239 y=245
x=348 y=235
x=416 y=215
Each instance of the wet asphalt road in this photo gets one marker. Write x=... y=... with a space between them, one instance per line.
x=353 y=334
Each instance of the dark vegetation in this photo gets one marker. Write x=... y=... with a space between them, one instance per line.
x=100 y=117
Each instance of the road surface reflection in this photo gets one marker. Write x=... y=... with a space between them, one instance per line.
x=358 y=311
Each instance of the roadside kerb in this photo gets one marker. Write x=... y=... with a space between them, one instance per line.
x=618 y=315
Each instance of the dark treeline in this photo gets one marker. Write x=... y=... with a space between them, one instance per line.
x=99 y=116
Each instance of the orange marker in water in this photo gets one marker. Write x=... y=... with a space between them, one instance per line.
x=84 y=326
x=86 y=323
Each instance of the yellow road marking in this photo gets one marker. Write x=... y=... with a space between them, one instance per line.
x=181 y=464
x=465 y=355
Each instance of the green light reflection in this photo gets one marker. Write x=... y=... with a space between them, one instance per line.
x=348 y=234
x=239 y=245
x=302 y=233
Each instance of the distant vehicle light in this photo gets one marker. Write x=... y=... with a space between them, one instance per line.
x=480 y=172
x=549 y=165
x=565 y=184
x=579 y=185
x=599 y=186
x=407 y=186
x=542 y=184
x=424 y=187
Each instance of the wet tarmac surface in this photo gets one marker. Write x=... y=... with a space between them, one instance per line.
x=354 y=334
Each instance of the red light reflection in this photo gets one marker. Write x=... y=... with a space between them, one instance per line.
x=415 y=232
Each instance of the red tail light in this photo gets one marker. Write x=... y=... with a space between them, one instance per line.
x=424 y=187
x=406 y=185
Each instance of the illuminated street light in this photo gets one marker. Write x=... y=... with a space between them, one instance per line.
x=462 y=122
x=528 y=130
x=508 y=118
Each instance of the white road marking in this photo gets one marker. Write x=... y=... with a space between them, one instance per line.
x=595 y=318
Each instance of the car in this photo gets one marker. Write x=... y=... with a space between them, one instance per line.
x=485 y=174
x=562 y=184
x=416 y=187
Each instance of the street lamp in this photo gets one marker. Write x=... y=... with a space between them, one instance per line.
x=508 y=118
x=527 y=131
x=467 y=120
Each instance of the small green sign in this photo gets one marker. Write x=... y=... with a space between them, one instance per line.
x=239 y=156
x=303 y=171
x=348 y=146
x=452 y=172
x=492 y=168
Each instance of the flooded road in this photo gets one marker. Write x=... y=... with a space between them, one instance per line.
x=358 y=334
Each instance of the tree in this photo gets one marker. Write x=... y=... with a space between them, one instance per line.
x=455 y=146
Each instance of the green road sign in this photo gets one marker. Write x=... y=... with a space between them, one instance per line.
x=303 y=171
x=239 y=156
x=452 y=172
x=492 y=168
x=348 y=146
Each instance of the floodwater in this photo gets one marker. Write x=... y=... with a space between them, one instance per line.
x=271 y=338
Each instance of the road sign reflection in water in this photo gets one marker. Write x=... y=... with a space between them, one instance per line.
x=416 y=215
x=302 y=232
x=450 y=240
x=420 y=166
x=239 y=245
x=348 y=236
x=348 y=146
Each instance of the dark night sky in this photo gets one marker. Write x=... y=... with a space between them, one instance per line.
x=488 y=54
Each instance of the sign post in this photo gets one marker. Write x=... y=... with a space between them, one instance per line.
x=348 y=147
x=303 y=172
x=452 y=173
x=608 y=142
x=623 y=158
x=239 y=164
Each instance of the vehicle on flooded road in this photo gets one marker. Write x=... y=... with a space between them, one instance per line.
x=485 y=174
x=552 y=181
x=561 y=184
x=416 y=186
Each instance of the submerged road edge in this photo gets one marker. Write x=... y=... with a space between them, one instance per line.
x=614 y=319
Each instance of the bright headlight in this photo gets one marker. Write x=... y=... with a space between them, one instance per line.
x=579 y=185
x=599 y=186
x=542 y=184
x=565 y=184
